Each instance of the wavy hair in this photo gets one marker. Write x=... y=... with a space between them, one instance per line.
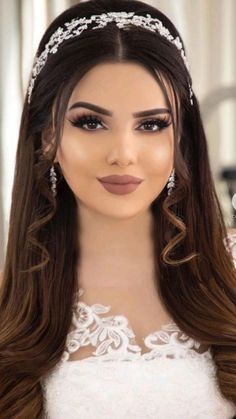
x=195 y=271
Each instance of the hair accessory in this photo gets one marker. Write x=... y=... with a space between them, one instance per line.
x=53 y=179
x=171 y=182
x=76 y=26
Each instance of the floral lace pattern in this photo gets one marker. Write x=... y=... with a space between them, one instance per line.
x=178 y=382
x=114 y=339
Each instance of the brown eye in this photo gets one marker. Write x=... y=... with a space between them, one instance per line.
x=89 y=120
x=161 y=123
x=92 y=121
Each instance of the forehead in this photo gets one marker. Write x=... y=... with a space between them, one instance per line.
x=128 y=84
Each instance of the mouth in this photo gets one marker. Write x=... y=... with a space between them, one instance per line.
x=120 y=180
x=120 y=189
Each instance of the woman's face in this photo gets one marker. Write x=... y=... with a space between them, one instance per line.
x=116 y=144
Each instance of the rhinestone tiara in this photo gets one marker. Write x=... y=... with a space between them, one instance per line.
x=76 y=26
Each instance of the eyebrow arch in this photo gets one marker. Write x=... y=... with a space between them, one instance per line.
x=103 y=111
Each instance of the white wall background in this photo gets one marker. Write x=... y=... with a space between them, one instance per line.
x=209 y=33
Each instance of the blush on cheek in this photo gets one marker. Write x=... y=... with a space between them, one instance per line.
x=161 y=159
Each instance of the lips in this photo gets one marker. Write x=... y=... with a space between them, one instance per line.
x=120 y=180
x=120 y=189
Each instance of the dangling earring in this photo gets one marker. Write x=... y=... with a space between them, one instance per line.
x=171 y=182
x=53 y=179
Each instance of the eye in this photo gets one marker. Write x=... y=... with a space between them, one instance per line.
x=161 y=123
x=93 y=121
x=90 y=119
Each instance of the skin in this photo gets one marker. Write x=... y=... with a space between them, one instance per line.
x=115 y=230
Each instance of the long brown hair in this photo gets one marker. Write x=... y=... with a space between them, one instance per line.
x=196 y=274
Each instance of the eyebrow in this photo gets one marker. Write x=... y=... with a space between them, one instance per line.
x=103 y=111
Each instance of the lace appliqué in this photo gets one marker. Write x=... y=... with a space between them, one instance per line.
x=114 y=339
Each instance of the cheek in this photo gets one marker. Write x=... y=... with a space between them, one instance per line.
x=159 y=159
x=76 y=159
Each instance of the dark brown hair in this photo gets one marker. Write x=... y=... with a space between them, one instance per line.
x=196 y=276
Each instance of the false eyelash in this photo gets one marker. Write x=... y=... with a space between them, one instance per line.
x=88 y=118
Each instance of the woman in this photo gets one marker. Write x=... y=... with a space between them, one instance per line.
x=138 y=272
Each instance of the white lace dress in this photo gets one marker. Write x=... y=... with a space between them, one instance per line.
x=173 y=379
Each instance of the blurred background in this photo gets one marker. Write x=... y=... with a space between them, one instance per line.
x=209 y=33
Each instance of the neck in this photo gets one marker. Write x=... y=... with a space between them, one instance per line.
x=114 y=250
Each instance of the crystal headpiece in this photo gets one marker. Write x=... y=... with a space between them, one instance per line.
x=76 y=26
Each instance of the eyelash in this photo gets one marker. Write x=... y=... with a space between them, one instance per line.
x=90 y=118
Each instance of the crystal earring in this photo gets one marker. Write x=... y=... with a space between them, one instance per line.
x=53 y=179
x=171 y=182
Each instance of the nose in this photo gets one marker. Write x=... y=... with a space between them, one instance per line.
x=123 y=150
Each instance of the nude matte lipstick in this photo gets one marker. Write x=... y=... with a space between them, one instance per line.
x=120 y=185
